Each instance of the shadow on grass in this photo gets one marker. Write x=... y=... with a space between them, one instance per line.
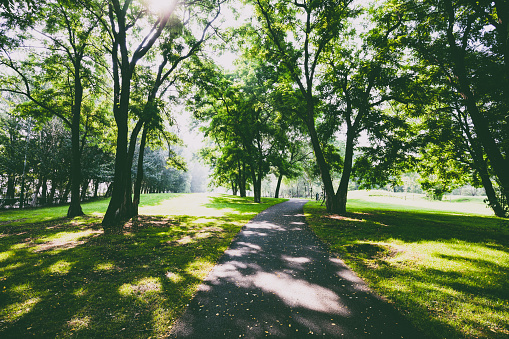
x=411 y=226
x=450 y=272
x=132 y=285
x=66 y=278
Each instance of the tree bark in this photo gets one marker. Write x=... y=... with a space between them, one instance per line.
x=331 y=202
x=139 y=175
x=75 y=205
x=278 y=185
x=10 y=186
x=257 y=187
x=44 y=192
x=242 y=180
x=65 y=196
x=96 y=187
x=342 y=193
x=234 y=187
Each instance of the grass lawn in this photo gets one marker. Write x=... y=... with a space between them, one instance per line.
x=447 y=271
x=63 y=277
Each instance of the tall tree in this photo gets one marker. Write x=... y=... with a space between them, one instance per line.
x=468 y=44
x=299 y=32
x=69 y=63
x=343 y=84
x=126 y=20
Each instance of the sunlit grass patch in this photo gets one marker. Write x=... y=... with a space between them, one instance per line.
x=200 y=268
x=76 y=323
x=449 y=273
x=60 y=267
x=19 y=309
x=6 y=255
x=142 y=287
x=63 y=240
x=104 y=266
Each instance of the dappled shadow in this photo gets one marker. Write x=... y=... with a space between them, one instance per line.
x=66 y=279
x=277 y=279
x=426 y=290
x=387 y=224
x=444 y=268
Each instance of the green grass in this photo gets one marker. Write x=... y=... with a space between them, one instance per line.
x=63 y=277
x=448 y=272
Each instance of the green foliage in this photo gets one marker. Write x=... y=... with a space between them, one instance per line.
x=162 y=173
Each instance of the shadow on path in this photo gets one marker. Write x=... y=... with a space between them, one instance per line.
x=277 y=279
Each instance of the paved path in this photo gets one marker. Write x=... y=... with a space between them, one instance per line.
x=277 y=279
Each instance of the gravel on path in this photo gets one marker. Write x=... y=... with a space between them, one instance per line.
x=278 y=280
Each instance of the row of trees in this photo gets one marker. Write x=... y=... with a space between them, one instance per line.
x=35 y=160
x=425 y=81
x=80 y=60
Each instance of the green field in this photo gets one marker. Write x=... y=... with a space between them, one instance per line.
x=446 y=270
x=63 y=277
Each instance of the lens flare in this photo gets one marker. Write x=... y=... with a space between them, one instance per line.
x=161 y=6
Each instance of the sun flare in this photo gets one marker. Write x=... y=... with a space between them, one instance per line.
x=161 y=6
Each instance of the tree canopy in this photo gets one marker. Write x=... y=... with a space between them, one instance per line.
x=339 y=89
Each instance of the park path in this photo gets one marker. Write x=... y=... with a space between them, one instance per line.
x=278 y=280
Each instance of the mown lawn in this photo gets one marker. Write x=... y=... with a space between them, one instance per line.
x=63 y=277
x=448 y=272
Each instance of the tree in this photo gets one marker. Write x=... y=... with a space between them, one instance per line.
x=241 y=118
x=68 y=36
x=342 y=83
x=125 y=19
x=179 y=45
x=440 y=172
x=467 y=44
x=313 y=26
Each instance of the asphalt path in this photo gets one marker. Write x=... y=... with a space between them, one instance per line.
x=277 y=279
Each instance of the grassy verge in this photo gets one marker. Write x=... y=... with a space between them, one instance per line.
x=448 y=272
x=64 y=278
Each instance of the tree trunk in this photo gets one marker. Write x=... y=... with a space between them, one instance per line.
x=44 y=192
x=234 y=187
x=278 y=186
x=65 y=196
x=84 y=189
x=10 y=186
x=257 y=188
x=109 y=190
x=75 y=206
x=120 y=208
x=331 y=202
x=139 y=175
x=482 y=169
x=51 y=198
x=342 y=193
x=242 y=180
x=96 y=187
x=36 y=193
x=497 y=160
